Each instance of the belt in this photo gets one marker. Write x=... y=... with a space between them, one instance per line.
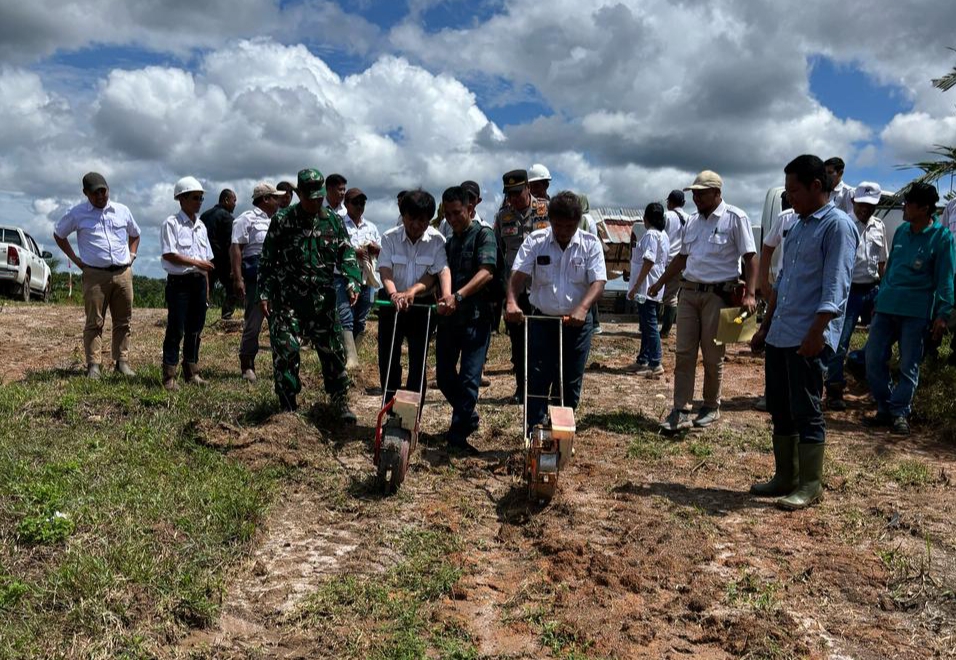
x=707 y=288
x=110 y=269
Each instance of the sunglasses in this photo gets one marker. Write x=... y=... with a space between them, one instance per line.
x=195 y=198
x=356 y=202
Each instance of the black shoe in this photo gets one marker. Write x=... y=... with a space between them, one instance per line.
x=900 y=426
x=288 y=403
x=836 y=404
x=345 y=413
x=879 y=419
x=374 y=391
x=517 y=398
x=462 y=446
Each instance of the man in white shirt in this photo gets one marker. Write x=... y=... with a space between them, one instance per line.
x=567 y=272
x=364 y=237
x=948 y=217
x=771 y=242
x=411 y=263
x=842 y=194
x=675 y=218
x=248 y=234
x=107 y=238
x=715 y=240
x=335 y=189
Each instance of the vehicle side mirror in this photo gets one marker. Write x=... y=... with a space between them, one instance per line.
x=46 y=255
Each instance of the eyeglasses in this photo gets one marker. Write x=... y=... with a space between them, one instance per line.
x=195 y=198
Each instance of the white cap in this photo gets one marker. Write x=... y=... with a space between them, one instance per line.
x=185 y=185
x=538 y=172
x=867 y=193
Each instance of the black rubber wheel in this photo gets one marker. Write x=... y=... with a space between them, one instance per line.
x=48 y=290
x=25 y=292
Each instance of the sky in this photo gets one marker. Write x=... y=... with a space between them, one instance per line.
x=623 y=100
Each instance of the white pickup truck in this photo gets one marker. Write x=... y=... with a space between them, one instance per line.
x=23 y=267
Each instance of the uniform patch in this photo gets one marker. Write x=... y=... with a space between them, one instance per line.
x=509 y=230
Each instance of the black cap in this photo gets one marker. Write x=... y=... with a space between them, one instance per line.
x=676 y=197
x=515 y=180
x=472 y=188
x=93 y=181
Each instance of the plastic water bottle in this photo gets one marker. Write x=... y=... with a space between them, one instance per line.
x=641 y=298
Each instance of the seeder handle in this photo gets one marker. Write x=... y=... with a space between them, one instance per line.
x=378 y=302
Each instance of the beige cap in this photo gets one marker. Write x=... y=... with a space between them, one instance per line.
x=706 y=180
x=264 y=189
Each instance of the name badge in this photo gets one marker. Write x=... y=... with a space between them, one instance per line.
x=543 y=260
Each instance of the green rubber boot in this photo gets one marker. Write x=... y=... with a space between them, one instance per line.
x=785 y=468
x=810 y=489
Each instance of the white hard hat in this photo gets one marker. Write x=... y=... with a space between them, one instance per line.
x=185 y=185
x=538 y=172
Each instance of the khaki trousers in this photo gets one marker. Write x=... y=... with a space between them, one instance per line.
x=104 y=289
x=698 y=314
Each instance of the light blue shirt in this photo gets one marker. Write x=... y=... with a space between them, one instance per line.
x=102 y=235
x=818 y=259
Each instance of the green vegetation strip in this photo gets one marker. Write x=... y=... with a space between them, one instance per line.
x=116 y=528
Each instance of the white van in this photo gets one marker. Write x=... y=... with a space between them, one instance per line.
x=890 y=211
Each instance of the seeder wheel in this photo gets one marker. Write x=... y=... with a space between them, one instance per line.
x=393 y=461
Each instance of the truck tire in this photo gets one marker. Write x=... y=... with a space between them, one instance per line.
x=25 y=291
x=47 y=290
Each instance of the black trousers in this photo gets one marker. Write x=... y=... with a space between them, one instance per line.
x=795 y=392
x=185 y=317
x=412 y=326
x=516 y=333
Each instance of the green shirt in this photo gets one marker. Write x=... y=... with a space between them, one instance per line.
x=918 y=280
x=300 y=254
x=474 y=248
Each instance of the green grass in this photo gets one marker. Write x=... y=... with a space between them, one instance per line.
x=751 y=592
x=387 y=615
x=910 y=473
x=116 y=527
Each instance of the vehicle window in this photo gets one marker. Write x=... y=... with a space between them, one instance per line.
x=10 y=236
x=33 y=245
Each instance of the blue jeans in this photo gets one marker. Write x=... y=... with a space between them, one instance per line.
x=467 y=342
x=543 y=365
x=886 y=330
x=856 y=304
x=352 y=318
x=650 y=353
x=794 y=386
x=185 y=317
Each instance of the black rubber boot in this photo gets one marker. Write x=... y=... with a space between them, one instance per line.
x=785 y=463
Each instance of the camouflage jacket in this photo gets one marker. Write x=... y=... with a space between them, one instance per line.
x=512 y=227
x=301 y=252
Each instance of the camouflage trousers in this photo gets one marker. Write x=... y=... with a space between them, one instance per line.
x=321 y=326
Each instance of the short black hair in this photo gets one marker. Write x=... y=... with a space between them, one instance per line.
x=334 y=181
x=676 y=197
x=565 y=205
x=836 y=163
x=456 y=194
x=285 y=186
x=654 y=215
x=224 y=195
x=401 y=193
x=922 y=194
x=417 y=204
x=785 y=201
x=809 y=168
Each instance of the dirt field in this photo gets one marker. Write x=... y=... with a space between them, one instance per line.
x=651 y=549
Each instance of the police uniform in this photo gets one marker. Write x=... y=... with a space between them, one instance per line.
x=560 y=279
x=299 y=256
x=512 y=227
x=465 y=334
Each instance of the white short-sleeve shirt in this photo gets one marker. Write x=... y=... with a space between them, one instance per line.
x=871 y=251
x=102 y=235
x=362 y=234
x=654 y=247
x=249 y=231
x=948 y=218
x=180 y=235
x=842 y=197
x=560 y=278
x=715 y=244
x=410 y=261
x=780 y=228
x=674 y=228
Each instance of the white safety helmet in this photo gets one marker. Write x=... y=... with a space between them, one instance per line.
x=538 y=172
x=185 y=185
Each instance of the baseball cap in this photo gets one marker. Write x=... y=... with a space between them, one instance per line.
x=93 y=181
x=867 y=193
x=311 y=183
x=515 y=180
x=472 y=188
x=706 y=180
x=263 y=189
x=676 y=197
x=352 y=193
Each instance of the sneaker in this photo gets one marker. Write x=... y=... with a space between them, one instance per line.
x=879 y=419
x=900 y=426
x=598 y=330
x=676 y=421
x=654 y=372
x=706 y=417
x=636 y=368
x=836 y=404
x=123 y=368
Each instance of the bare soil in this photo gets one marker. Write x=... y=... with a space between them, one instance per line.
x=651 y=549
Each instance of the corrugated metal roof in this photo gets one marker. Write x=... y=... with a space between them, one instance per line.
x=615 y=223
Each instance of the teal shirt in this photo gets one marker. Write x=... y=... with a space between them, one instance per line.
x=918 y=281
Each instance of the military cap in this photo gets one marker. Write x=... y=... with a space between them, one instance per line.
x=311 y=184
x=515 y=180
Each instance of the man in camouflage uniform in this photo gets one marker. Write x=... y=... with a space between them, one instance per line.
x=521 y=215
x=305 y=243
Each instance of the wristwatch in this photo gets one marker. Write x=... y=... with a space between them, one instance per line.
x=458 y=297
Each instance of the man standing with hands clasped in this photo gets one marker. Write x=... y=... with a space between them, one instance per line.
x=801 y=330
